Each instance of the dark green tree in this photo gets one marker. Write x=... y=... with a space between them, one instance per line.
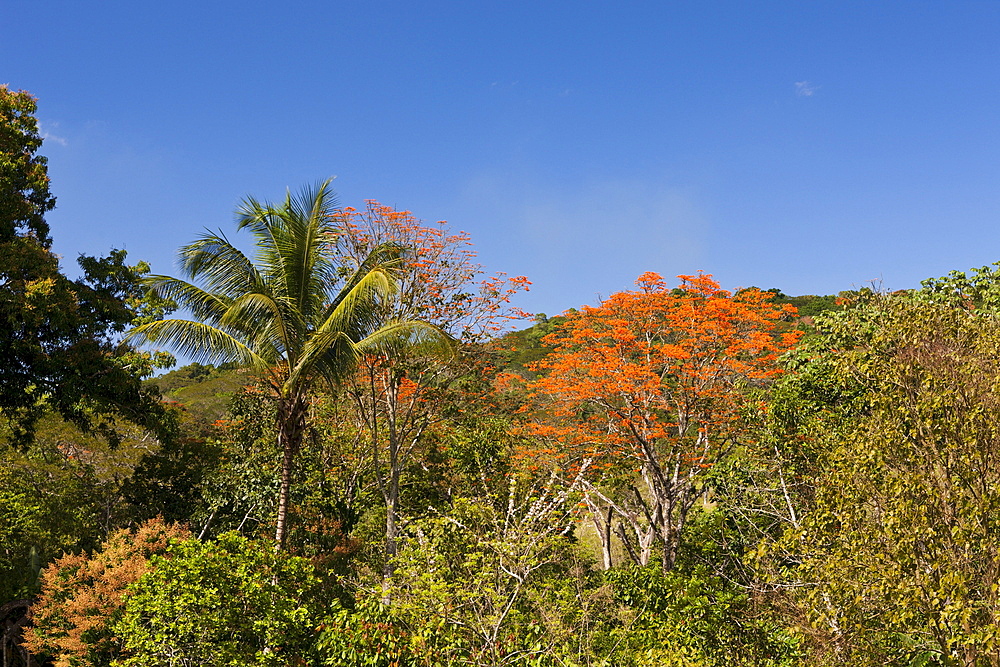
x=24 y=180
x=59 y=345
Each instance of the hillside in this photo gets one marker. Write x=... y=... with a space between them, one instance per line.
x=203 y=390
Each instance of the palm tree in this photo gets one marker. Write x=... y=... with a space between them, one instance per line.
x=293 y=314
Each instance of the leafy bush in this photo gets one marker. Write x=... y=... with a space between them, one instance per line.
x=481 y=585
x=228 y=602
x=693 y=618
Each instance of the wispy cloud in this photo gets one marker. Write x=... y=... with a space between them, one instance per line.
x=45 y=134
x=805 y=89
x=504 y=85
x=590 y=237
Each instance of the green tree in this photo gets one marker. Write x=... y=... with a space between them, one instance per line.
x=981 y=289
x=899 y=545
x=494 y=581
x=687 y=619
x=294 y=314
x=24 y=180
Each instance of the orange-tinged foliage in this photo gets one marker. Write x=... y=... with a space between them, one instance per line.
x=81 y=594
x=398 y=393
x=653 y=382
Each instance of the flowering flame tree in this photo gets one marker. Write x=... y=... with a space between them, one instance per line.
x=651 y=384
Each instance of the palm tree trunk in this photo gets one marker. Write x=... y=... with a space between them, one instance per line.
x=291 y=422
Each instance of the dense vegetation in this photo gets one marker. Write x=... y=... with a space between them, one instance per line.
x=365 y=465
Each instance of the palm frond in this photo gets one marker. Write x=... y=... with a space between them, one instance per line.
x=329 y=355
x=254 y=215
x=261 y=322
x=358 y=308
x=204 y=305
x=386 y=259
x=213 y=261
x=202 y=342
x=415 y=336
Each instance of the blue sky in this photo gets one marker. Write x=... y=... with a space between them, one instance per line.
x=810 y=146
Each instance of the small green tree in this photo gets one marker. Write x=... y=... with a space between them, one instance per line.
x=691 y=617
x=487 y=583
x=232 y=602
x=24 y=180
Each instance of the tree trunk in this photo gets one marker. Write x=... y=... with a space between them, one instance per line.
x=15 y=615
x=291 y=422
x=392 y=503
x=603 y=524
x=391 y=531
x=646 y=542
x=606 y=539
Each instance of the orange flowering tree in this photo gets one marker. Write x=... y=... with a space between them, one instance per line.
x=398 y=393
x=649 y=388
